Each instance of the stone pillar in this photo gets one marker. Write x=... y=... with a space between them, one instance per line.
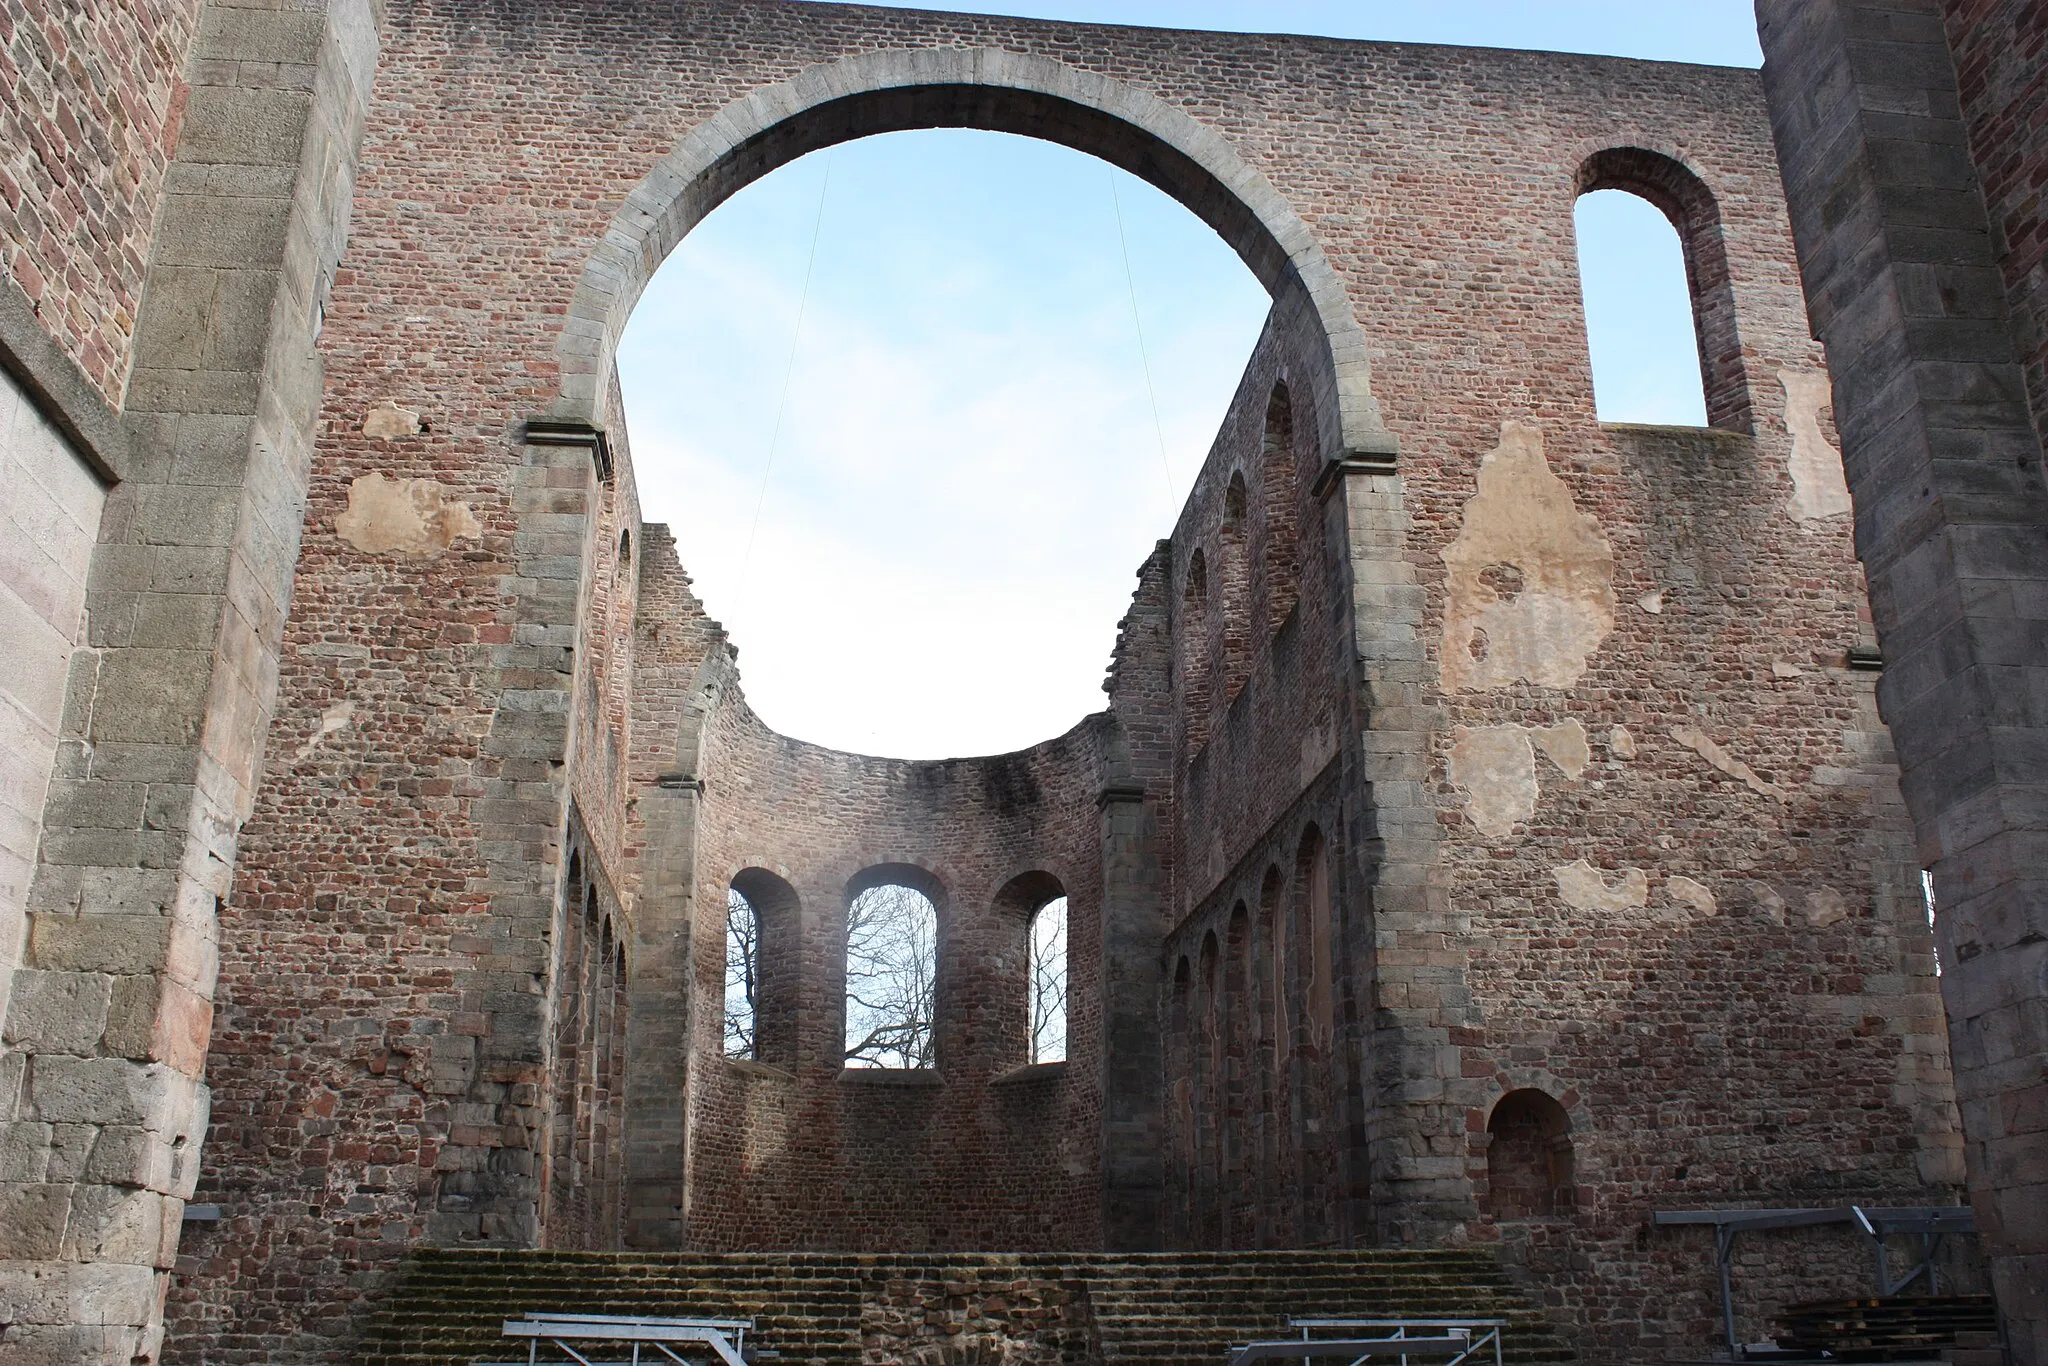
x=1134 y=915
x=170 y=698
x=1404 y=945
x=1945 y=464
x=658 y=1072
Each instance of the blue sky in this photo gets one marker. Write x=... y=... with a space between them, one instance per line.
x=894 y=402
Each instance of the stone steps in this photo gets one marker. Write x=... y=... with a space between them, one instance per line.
x=837 y=1309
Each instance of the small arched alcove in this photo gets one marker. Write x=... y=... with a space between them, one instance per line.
x=892 y=957
x=1529 y=1161
x=1639 y=286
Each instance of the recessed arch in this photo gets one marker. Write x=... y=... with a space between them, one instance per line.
x=1278 y=495
x=996 y=91
x=1530 y=1166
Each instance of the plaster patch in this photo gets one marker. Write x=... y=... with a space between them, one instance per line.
x=1819 y=487
x=333 y=721
x=1621 y=742
x=412 y=517
x=1768 y=903
x=1497 y=768
x=1782 y=668
x=1825 y=906
x=1704 y=746
x=1652 y=602
x=1687 y=892
x=1584 y=889
x=1530 y=575
x=1564 y=744
x=387 y=420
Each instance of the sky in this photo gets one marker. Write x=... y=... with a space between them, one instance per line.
x=918 y=406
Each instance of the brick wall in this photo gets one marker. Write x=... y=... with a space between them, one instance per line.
x=95 y=96
x=1598 y=807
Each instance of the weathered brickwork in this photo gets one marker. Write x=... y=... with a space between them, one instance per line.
x=1490 y=837
x=95 y=97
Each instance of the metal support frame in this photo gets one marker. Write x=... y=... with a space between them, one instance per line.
x=1453 y=1341
x=1931 y=1223
x=726 y=1338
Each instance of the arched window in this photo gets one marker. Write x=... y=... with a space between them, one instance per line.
x=742 y=973
x=1236 y=1078
x=1194 y=651
x=618 y=628
x=1048 y=975
x=1277 y=483
x=762 y=985
x=1181 y=1097
x=1528 y=1157
x=1236 y=589
x=1312 y=879
x=1660 y=305
x=892 y=975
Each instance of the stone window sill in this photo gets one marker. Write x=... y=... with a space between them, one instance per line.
x=747 y=1067
x=891 y=1076
x=1030 y=1072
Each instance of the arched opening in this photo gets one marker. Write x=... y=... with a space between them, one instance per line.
x=742 y=974
x=1047 y=974
x=1181 y=1100
x=1660 y=304
x=1312 y=881
x=1277 y=484
x=892 y=970
x=1237 y=1064
x=1234 y=642
x=993 y=91
x=1208 y=1050
x=1024 y=985
x=1193 y=652
x=1274 y=1094
x=762 y=974
x=1529 y=1165
x=1315 y=1070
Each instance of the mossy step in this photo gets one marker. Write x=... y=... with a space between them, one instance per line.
x=1164 y=1308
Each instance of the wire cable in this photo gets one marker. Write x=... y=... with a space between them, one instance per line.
x=1144 y=359
x=788 y=372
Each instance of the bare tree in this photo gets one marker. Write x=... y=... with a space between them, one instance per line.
x=892 y=943
x=1049 y=982
x=742 y=973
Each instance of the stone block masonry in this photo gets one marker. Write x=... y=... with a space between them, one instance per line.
x=1489 y=838
x=1913 y=150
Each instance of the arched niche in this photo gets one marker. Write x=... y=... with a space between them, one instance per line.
x=986 y=88
x=1529 y=1159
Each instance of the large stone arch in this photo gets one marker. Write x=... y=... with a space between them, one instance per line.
x=962 y=87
